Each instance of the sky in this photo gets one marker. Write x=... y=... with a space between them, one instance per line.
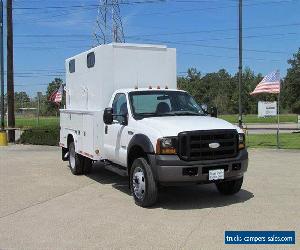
x=205 y=34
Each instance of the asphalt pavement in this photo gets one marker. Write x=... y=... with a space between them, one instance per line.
x=43 y=206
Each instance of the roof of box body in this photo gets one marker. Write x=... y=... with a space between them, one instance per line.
x=147 y=89
x=123 y=45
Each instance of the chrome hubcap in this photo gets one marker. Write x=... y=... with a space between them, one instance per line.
x=139 y=186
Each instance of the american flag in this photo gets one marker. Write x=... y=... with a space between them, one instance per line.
x=56 y=96
x=270 y=84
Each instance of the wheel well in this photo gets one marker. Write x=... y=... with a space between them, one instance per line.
x=134 y=153
x=70 y=139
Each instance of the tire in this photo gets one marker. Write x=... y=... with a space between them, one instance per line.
x=76 y=161
x=142 y=183
x=230 y=187
x=87 y=165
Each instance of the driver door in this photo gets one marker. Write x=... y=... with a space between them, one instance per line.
x=115 y=135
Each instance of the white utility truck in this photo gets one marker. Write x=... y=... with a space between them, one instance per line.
x=123 y=108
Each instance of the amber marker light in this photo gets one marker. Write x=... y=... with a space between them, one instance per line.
x=242 y=143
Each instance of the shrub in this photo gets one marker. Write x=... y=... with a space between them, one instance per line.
x=296 y=107
x=41 y=136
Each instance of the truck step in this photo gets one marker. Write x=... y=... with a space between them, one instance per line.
x=117 y=169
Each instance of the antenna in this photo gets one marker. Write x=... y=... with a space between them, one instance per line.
x=109 y=27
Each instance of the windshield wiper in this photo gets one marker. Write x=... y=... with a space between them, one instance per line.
x=149 y=115
x=186 y=113
x=165 y=114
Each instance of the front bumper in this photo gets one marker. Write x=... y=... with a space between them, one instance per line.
x=170 y=169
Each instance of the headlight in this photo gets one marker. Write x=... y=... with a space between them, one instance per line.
x=242 y=143
x=166 y=146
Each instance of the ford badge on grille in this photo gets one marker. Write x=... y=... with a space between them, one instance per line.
x=214 y=145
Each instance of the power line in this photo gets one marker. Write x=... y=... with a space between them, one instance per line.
x=165 y=42
x=261 y=36
x=30 y=85
x=216 y=30
x=82 y=6
x=219 y=47
x=227 y=57
x=93 y=6
x=89 y=6
x=207 y=8
x=165 y=34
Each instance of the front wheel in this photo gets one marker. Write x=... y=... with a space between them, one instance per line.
x=230 y=187
x=142 y=183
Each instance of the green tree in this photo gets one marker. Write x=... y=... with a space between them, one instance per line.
x=22 y=100
x=49 y=107
x=191 y=82
x=291 y=85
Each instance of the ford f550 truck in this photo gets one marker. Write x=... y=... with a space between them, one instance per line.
x=123 y=108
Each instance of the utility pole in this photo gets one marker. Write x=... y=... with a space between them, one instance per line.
x=240 y=61
x=2 y=66
x=10 y=73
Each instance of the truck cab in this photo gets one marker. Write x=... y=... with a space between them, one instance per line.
x=155 y=135
x=168 y=130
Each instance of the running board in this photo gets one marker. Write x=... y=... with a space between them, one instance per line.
x=117 y=169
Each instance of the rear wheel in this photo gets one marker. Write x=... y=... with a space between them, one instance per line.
x=142 y=183
x=76 y=161
x=87 y=165
x=230 y=187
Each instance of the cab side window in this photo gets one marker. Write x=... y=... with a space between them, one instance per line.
x=120 y=107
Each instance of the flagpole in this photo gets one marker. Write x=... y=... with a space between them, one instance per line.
x=278 y=106
x=278 y=114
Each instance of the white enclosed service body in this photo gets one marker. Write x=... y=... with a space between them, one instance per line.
x=93 y=76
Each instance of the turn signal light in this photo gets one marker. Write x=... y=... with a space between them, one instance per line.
x=166 y=146
x=242 y=141
x=168 y=151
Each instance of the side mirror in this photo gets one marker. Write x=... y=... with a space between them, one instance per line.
x=214 y=112
x=108 y=116
x=204 y=108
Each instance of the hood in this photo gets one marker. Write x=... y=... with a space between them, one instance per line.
x=172 y=125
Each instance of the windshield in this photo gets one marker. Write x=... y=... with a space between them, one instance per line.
x=163 y=103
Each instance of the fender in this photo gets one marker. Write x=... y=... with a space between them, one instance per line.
x=142 y=141
x=145 y=144
x=64 y=147
x=75 y=137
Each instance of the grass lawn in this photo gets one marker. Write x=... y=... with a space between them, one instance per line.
x=52 y=120
x=30 y=122
x=24 y=122
x=255 y=119
x=286 y=141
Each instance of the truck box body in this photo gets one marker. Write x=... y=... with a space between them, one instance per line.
x=117 y=66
